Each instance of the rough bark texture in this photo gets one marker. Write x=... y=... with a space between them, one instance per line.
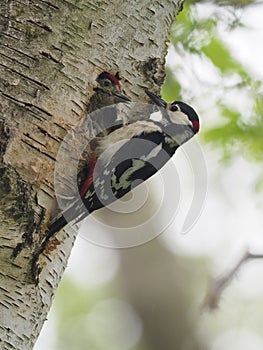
x=51 y=52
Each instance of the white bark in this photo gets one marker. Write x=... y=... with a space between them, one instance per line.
x=50 y=55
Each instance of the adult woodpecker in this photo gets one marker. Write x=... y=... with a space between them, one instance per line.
x=128 y=155
x=132 y=152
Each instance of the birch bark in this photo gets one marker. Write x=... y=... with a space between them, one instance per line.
x=51 y=53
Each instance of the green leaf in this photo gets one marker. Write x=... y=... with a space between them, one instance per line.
x=221 y=57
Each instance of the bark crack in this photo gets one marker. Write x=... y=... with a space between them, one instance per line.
x=27 y=104
x=38 y=150
x=40 y=25
x=39 y=83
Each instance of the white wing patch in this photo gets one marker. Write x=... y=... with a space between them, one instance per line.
x=153 y=153
x=156 y=116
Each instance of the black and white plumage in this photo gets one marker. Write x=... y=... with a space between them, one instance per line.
x=129 y=154
x=122 y=156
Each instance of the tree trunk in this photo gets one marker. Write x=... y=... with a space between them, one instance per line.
x=51 y=54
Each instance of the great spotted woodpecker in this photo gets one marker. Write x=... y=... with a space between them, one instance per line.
x=124 y=156
x=130 y=154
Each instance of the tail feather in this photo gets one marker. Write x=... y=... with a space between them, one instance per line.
x=73 y=212
x=57 y=225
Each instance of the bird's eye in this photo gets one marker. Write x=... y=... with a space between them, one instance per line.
x=174 y=108
x=107 y=83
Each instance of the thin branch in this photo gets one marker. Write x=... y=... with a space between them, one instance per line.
x=220 y=283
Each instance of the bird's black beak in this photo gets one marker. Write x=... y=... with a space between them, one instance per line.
x=121 y=96
x=156 y=99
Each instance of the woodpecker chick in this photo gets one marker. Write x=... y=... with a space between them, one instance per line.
x=108 y=92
